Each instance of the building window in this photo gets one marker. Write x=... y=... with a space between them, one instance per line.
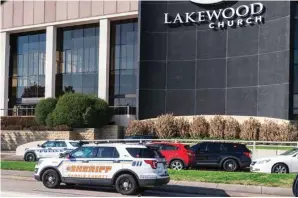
x=122 y=91
x=77 y=59
x=27 y=66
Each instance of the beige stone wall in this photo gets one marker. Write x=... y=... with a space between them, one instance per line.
x=11 y=139
x=19 y=13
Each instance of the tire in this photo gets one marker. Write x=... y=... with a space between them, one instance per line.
x=295 y=187
x=280 y=168
x=126 y=185
x=51 y=179
x=230 y=165
x=177 y=165
x=30 y=157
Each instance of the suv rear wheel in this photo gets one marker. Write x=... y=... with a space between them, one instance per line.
x=51 y=179
x=230 y=165
x=177 y=165
x=126 y=184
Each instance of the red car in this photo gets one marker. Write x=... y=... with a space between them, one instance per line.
x=178 y=155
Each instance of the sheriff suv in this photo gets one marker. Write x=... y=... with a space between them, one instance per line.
x=51 y=148
x=127 y=167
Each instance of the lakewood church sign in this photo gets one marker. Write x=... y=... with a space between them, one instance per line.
x=228 y=17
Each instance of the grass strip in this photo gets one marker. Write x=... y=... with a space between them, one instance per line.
x=17 y=165
x=243 y=178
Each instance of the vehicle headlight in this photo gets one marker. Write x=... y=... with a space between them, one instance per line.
x=264 y=161
x=39 y=162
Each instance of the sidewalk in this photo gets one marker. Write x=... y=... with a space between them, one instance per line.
x=10 y=156
x=196 y=188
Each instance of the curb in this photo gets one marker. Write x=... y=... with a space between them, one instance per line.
x=196 y=188
x=222 y=189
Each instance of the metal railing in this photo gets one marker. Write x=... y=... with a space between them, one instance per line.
x=30 y=111
x=253 y=145
x=19 y=111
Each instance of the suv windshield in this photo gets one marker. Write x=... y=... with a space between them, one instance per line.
x=290 y=152
x=141 y=152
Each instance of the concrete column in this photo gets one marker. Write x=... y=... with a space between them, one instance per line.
x=4 y=72
x=104 y=59
x=50 y=70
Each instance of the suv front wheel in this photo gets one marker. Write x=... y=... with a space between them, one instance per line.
x=51 y=179
x=126 y=184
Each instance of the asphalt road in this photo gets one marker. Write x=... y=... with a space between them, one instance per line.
x=22 y=187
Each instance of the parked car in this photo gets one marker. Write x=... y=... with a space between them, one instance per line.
x=286 y=162
x=178 y=155
x=295 y=187
x=228 y=156
x=51 y=148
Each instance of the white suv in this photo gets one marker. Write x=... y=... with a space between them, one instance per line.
x=129 y=168
x=51 y=148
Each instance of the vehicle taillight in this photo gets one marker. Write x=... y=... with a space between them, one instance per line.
x=248 y=154
x=152 y=163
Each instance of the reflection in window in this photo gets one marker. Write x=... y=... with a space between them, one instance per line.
x=27 y=65
x=77 y=59
x=123 y=63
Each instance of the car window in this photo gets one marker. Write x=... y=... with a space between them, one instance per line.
x=107 y=152
x=85 y=152
x=165 y=147
x=213 y=147
x=141 y=152
x=60 y=144
x=233 y=148
x=75 y=144
x=201 y=147
x=49 y=144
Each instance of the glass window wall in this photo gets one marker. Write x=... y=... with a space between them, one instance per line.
x=123 y=63
x=27 y=67
x=77 y=59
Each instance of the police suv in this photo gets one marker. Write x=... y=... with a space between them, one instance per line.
x=127 y=167
x=51 y=148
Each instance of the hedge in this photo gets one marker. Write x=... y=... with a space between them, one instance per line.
x=27 y=123
x=219 y=127
x=43 y=109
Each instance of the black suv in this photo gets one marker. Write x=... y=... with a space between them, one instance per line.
x=228 y=156
x=295 y=187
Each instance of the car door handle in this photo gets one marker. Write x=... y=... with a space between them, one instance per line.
x=85 y=161
x=116 y=161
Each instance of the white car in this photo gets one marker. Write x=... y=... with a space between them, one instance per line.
x=51 y=148
x=127 y=167
x=287 y=162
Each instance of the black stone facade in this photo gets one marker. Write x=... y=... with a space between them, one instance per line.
x=193 y=70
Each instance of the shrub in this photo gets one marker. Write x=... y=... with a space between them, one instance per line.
x=217 y=127
x=49 y=120
x=137 y=127
x=199 y=128
x=80 y=110
x=269 y=131
x=183 y=127
x=288 y=132
x=43 y=109
x=166 y=127
x=98 y=114
x=232 y=129
x=250 y=129
x=21 y=122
